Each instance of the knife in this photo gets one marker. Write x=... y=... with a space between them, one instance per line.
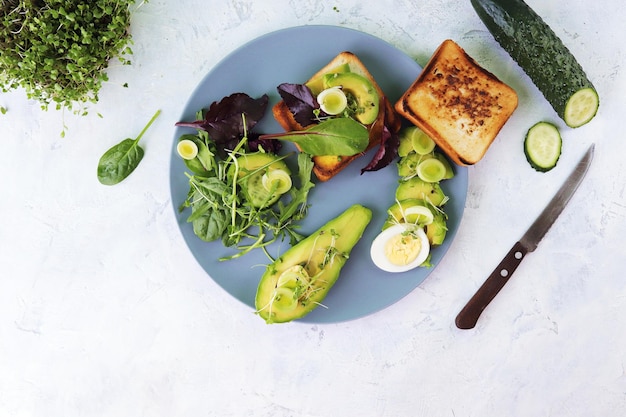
x=468 y=316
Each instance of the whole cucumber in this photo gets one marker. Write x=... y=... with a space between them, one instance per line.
x=543 y=56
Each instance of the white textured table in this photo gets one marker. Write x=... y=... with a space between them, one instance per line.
x=104 y=311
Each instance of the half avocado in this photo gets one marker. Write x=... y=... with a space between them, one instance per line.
x=297 y=282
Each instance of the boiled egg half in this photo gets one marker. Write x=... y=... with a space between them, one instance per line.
x=400 y=248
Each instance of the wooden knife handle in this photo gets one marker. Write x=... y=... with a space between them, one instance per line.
x=468 y=316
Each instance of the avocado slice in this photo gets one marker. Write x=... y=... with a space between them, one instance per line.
x=364 y=93
x=436 y=231
x=298 y=281
x=317 y=84
x=407 y=166
x=416 y=188
x=395 y=213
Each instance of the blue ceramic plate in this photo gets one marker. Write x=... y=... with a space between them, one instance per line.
x=293 y=55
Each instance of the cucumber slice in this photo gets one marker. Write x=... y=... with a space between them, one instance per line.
x=256 y=193
x=542 y=146
x=581 y=107
x=431 y=170
x=252 y=170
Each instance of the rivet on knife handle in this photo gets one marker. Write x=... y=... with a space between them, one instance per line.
x=468 y=317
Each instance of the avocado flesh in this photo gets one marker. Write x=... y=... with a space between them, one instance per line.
x=338 y=236
x=317 y=84
x=435 y=231
x=363 y=92
x=416 y=188
x=395 y=212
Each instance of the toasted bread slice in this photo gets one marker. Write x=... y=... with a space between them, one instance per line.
x=327 y=166
x=459 y=104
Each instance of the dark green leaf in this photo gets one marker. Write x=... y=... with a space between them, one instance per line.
x=338 y=136
x=211 y=225
x=299 y=195
x=119 y=162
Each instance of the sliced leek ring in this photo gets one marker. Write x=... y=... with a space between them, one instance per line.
x=420 y=215
x=332 y=100
x=422 y=143
x=277 y=180
x=431 y=170
x=187 y=149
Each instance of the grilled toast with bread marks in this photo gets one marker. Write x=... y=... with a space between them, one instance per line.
x=459 y=104
x=327 y=166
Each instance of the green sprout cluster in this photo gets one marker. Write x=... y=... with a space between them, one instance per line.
x=58 y=50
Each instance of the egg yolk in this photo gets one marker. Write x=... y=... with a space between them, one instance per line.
x=402 y=249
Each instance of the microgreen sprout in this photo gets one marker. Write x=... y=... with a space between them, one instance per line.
x=59 y=51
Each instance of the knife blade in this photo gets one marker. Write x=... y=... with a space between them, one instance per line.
x=469 y=315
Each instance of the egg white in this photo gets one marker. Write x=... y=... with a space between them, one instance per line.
x=377 y=250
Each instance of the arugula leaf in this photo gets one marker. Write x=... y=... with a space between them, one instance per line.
x=120 y=160
x=337 y=136
x=296 y=209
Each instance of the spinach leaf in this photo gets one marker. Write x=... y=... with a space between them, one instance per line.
x=338 y=136
x=211 y=224
x=209 y=214
x=121 y=160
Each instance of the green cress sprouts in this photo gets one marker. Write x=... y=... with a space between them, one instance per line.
x=57 y=51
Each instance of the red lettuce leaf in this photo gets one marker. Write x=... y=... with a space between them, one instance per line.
x=223 y=120
x=389 y=143
x=301 y=102
x=256 y=142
